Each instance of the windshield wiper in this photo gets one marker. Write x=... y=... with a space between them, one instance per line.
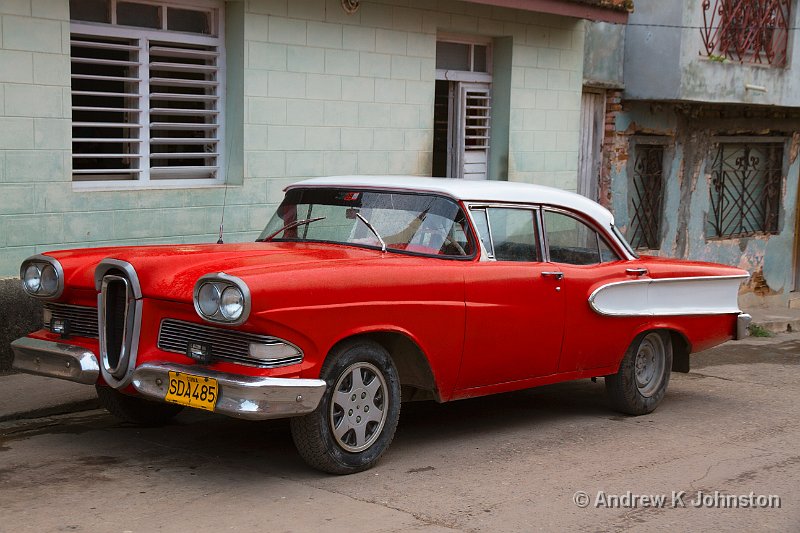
x=290 y=225
x=373 y=230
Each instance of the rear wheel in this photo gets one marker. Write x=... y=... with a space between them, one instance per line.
x=355 y=421
x=641 y=381
x=136 y=410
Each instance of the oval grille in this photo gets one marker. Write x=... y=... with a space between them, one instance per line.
x=228 y=345
x=82 y=320
x=115 y=319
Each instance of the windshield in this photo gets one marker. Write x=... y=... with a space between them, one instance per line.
x=415 y=223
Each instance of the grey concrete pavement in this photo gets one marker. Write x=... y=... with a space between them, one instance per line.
x=28 y=396
x=511 y=462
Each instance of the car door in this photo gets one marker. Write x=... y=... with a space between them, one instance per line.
x=514 y=305
x=582 y=254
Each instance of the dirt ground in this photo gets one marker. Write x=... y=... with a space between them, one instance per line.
x=514 y=462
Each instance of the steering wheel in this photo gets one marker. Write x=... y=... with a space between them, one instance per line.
x=447 y=240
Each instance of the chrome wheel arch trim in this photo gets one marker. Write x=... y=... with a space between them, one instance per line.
x=635 y=297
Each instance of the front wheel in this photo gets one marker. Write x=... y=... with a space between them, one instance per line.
x=641 y=381
x=355 y=421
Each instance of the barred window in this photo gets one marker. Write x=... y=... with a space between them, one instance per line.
x=646 y=194
x=753 y=31
x=745 y=189
x=147 y=92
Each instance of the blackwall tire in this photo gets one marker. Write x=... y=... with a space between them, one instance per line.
x=136 y=410
x=641 y=381
x=355 y=422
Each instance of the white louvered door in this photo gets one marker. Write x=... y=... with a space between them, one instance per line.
x=475 y=117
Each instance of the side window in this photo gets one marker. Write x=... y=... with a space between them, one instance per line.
x=482 y=225
x=571 y=241
x=513 y=233
x=607 y=254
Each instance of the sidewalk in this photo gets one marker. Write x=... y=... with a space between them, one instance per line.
x=776 y=320
x=28 y=396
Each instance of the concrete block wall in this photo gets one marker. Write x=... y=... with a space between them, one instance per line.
x=324 y=93
x=330 y=93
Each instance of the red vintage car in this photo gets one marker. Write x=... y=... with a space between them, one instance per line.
x=365 y=291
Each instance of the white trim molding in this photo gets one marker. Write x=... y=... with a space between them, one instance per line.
x=703 y=295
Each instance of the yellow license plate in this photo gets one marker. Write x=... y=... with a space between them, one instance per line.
x=194 y=391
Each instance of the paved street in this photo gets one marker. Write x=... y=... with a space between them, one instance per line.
x=512 y=462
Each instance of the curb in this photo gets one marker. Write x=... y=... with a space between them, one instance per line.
x=63 y=409
x=777 y=324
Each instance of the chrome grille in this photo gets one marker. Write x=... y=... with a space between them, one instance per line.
x=227 y=345
x=82 y=320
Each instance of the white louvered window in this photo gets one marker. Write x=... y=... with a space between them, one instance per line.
x=147 y=93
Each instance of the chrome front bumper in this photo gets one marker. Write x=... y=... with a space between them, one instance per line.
x=55 y=360
x=253 y=398
x=743 y=325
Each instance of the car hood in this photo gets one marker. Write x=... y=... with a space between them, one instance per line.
x=170 y=272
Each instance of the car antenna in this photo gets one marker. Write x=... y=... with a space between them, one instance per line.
x=222 y=220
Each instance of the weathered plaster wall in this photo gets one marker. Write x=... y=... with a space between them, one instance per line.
x=690 y=132
x=603 y=55
x=652 y=53
x=665 y=59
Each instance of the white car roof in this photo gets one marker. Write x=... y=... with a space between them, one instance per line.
x=472 y=191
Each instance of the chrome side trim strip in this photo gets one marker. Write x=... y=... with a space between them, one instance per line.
x=250 y=397
x=55 y=360
x=697 y=295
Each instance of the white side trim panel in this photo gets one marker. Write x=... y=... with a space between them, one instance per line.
x=706 y=295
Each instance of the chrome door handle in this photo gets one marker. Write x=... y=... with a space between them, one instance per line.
x=557 y=275
x=637 y=271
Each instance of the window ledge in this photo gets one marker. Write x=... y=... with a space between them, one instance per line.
x=106 y=187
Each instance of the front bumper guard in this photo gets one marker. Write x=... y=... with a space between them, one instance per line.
x=250 y=397
x=55 y=360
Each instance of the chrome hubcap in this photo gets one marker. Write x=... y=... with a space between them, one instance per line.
x=649 y=364
x=358 y=407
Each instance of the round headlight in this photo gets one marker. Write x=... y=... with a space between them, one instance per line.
x=208 y=299
x=32 y=279
x=49 y=280
x=231 y=303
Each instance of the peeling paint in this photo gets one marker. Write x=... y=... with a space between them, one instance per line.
x=690 y=132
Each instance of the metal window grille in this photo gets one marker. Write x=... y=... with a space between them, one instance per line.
x=754 y=31
x=745 y=189
x=646 y=197
x=147 y=104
